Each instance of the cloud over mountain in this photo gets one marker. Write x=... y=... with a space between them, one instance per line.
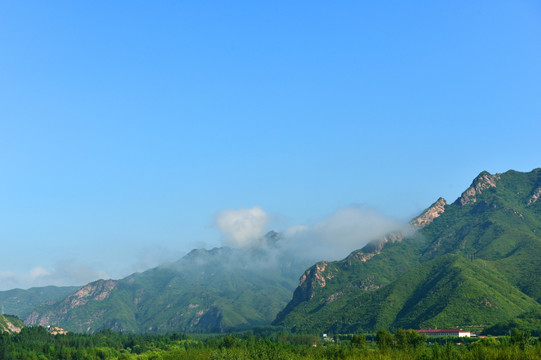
x=331 y=238
x=343 y=231
x=242 y=227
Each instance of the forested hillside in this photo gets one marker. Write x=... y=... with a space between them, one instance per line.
x=207 y=290
x=472 y=263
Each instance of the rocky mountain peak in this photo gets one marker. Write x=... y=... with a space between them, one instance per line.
x=272 y=237
x=314 y=276
x=483 y=181
x=481 y=254
x=98 y=290
x=313 y=279
x=374 y=248
x=433 y=211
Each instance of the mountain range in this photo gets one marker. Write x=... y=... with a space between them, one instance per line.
x=473 y=263
x=205 y=291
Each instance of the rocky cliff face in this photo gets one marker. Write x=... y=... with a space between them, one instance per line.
x=10 y=324
x=481 y=183
x=434 y=211
x=97 y=291
x=374 y=248
x=315 y=279
x=535 y=196
x=317 y=275
x=310 y=281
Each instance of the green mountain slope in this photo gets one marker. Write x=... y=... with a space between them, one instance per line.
x=207 y=290
x=471 y=263
x=528 y=321
x=448 y=290
x=21 y=302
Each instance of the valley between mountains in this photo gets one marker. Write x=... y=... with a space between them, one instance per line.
x=473 y=263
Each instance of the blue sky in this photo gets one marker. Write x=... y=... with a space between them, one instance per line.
x=125 y=127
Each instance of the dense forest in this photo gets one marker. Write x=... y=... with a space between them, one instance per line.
x=36 y=343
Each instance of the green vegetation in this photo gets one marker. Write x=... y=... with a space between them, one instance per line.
x=21 y=302
x=527 y=322
x=448 y=290
x=36 y=343
x=206 y=291
x=476 y=267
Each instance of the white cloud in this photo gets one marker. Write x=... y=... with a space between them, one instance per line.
x=332 y=238
x=242 y=227
x=335 y=237
x=294 y=230
x=38 y=272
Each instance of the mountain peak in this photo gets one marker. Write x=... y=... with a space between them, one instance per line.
x=272 y=237
x=476 y=264
x=482 y=182
x=433 y=211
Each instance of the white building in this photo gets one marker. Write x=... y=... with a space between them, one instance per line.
x=445 y=332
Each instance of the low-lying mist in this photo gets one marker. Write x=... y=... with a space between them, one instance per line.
x=331 y=238
x=247 y=243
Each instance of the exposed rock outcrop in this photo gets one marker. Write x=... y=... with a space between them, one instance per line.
x=434 y=211
x=311 y=278
x=481 y=183
x=56 y=330
x=97 y=291
x=487 y=240
x=10 y=326
x=317 y=276
x=374 y=248
x=535 y=196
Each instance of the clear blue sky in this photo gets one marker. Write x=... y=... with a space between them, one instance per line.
x=126 y=126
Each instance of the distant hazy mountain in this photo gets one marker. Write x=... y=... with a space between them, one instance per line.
x=207 y=290
x=473 y=263
x=21 y=302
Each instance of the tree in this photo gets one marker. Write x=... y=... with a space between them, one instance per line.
x=358 y=341
x=520 y=338
x=400 y=339
x=384 y=339
x=414 y=339
x=230 y=341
